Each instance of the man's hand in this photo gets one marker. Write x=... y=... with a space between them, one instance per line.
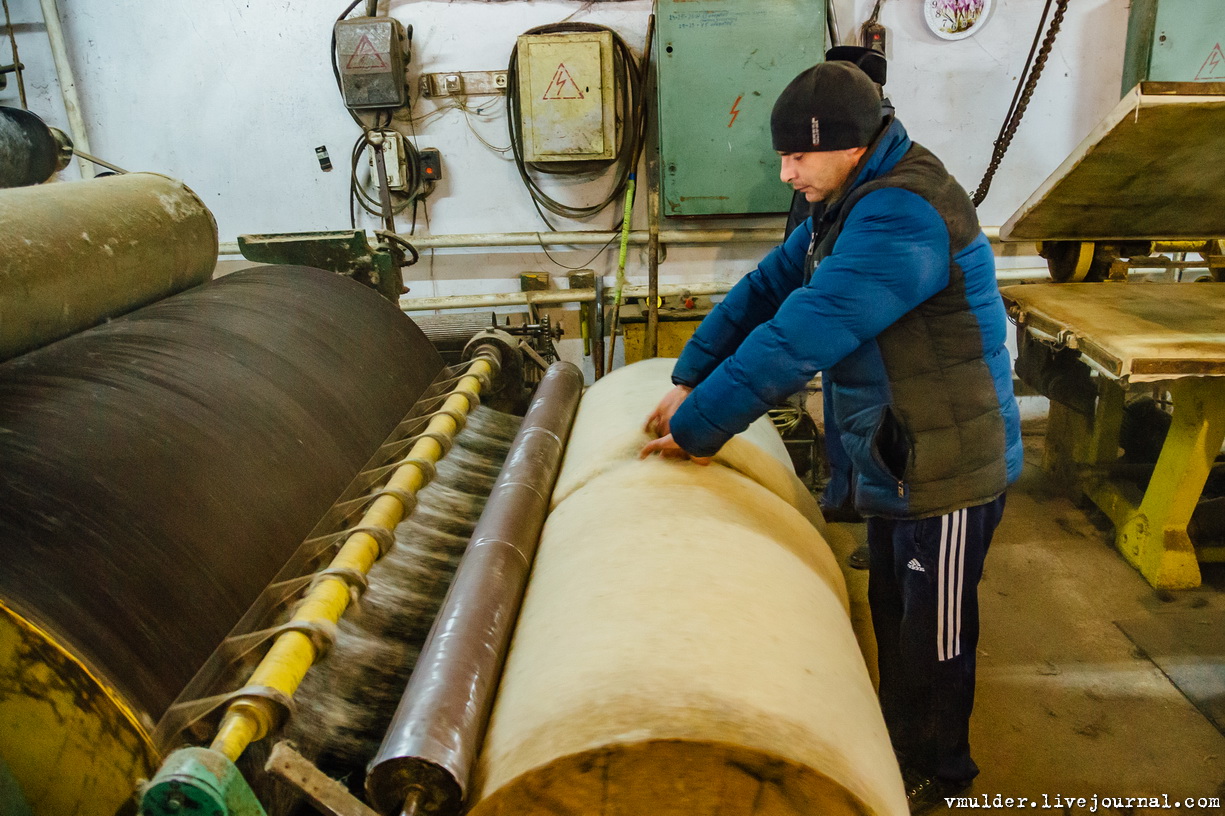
x=666 y=447
x=659 y=420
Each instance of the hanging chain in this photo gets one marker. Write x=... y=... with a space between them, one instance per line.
x=1025 y=90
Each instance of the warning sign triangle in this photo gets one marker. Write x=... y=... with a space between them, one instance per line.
x=563 y=86
x=365 y=57
x=1214 y=66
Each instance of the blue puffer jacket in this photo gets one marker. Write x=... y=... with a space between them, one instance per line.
x=903 y=316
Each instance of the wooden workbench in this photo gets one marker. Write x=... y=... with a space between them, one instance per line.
x=1134 y=333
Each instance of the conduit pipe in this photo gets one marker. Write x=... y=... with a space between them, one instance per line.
x=675 y=237
x=426 y=758
x=560 y=296
x=68 y=86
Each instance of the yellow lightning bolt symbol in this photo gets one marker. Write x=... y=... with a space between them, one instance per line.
x=735 y=112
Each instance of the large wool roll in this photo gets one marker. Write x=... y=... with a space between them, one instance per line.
x=685 y=645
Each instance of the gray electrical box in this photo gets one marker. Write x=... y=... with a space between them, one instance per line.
x=370 y=57
x=721 y=65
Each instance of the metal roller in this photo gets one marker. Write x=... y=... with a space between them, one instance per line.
x=77 y=253
x=159 y=471
x=30 y=151
x=428 y=752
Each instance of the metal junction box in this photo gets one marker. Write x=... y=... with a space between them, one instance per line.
x=566 y=97
x=1174 y=41
x=370 y=56
x=722 y=63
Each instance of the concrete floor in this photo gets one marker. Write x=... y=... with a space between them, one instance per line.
x=1067 y=706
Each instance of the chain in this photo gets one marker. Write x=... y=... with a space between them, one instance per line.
x=1025 y=91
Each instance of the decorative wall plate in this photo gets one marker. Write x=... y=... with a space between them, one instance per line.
x=955 y=19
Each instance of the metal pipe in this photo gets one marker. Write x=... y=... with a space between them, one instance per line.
x=597 y=322
x=674 y=237
x=553 y=297
x=580 y=238
x=251 y=716
x=561 y=296
x=651 y=340
x=68 y=85
x=430 y=747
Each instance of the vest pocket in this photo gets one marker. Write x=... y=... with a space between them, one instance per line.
x=891 y=447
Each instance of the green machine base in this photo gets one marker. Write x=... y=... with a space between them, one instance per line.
x=199 y=782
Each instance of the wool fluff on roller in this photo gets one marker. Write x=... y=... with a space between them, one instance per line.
x=684 y=646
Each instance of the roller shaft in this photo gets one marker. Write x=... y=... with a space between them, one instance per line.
x=77 y=253
x=426 y=758
x=249 y=718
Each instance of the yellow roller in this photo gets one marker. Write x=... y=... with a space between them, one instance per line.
x=249 y=718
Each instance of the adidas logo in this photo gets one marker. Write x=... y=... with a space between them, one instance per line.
x=915 y=565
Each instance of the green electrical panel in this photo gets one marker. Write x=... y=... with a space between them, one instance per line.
x=721 y=65
x=1174 y=41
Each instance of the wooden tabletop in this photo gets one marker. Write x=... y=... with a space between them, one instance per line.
x=1137 y=332
x=1150 y=171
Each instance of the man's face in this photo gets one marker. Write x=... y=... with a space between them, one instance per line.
x=818 y=174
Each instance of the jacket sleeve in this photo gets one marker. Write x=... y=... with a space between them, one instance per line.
x=753 y=300
x=892 y=254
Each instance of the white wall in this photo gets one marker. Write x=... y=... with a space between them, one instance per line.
x=233 y=96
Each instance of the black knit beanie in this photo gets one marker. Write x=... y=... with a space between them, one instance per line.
x=831 y=106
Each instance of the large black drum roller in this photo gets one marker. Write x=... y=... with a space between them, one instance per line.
x=157 y=472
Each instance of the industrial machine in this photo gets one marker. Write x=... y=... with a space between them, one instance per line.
x=264 y=551
x=1142 y=191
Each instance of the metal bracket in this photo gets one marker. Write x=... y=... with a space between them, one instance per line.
x=463 y=83
x=325 y=793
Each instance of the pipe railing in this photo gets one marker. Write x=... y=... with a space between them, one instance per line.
x=677 y=237
x=68 y=86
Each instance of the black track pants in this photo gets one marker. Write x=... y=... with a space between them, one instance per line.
x=923 y=591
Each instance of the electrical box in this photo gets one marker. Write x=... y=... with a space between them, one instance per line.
x=1174 y=41
x=370 y=58
x=721 y=66
x=394 y=160
x=566 y=96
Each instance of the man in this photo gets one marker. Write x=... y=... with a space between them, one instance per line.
x=892 y=295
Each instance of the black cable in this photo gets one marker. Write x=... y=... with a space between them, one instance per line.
x=631 y=116
x=585 y=264
x=1025 y=90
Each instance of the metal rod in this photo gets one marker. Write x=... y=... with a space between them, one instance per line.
x=597 y=321
x=650 y=341
x=427 y=756
x=554 y=297
x=561 y=296
x=68 y=85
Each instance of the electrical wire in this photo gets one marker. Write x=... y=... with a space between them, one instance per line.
x=585 y=264
x=21 y=83
x=462 y=105
x=1025 y=90
x=631 y=114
